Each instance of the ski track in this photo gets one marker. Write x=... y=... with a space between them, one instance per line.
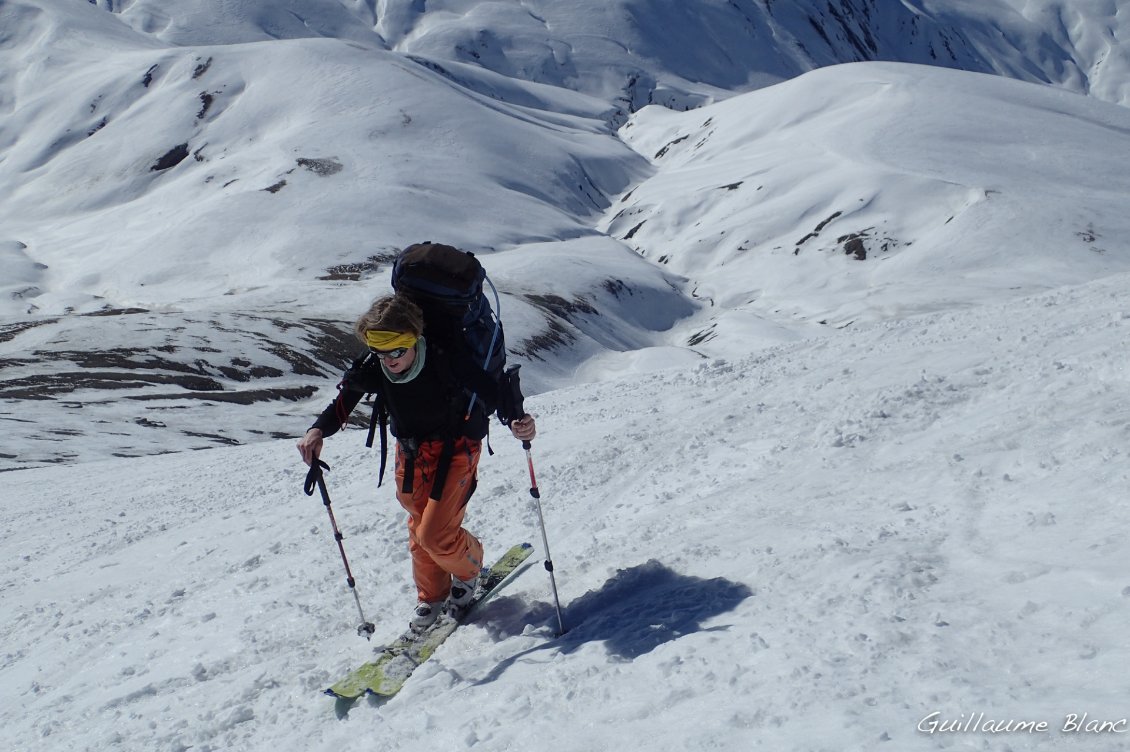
x=824 y=541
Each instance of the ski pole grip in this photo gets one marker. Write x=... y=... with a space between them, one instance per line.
x=313 y=476
x=512 y=399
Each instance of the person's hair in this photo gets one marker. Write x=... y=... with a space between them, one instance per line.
x=391 y=313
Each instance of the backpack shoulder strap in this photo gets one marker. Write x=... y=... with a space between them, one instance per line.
x=379 y=418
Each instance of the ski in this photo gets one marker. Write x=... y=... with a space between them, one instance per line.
x=388 y=672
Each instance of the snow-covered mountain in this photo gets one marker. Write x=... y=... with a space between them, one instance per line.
x=822 y=307
x=198 y=198
x=873 y=191
x=678 y=54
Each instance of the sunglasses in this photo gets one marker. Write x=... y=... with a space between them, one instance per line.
x=390 y=354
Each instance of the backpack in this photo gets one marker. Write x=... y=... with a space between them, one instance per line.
x=447 y=284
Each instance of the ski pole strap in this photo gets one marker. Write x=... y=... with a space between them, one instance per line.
x=313 y=476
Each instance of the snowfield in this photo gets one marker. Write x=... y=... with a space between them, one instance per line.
x=813 y=547
x=823 y=311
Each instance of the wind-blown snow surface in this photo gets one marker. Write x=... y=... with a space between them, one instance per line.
x=814 y=547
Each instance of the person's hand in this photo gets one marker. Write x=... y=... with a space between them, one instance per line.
x=524 y=428
x=310 y=445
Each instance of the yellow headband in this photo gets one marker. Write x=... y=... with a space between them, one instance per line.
x=389 y=340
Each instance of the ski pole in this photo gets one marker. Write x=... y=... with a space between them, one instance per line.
x=536 y=494
x=512 y=399
x=315 y=477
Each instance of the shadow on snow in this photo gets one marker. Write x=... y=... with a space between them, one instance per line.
x=633 y=613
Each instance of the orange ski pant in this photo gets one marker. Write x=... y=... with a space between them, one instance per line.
x=439 y=545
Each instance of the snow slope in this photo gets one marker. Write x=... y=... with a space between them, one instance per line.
x=876 y=190
x=833 y=540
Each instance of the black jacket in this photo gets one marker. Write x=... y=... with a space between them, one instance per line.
x=431 y=406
